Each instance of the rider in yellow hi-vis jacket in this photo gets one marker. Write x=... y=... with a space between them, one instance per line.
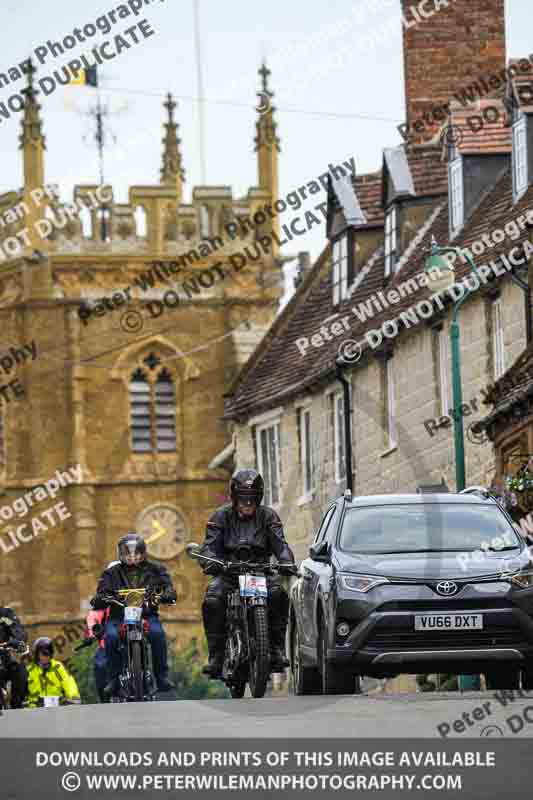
x=47 y=677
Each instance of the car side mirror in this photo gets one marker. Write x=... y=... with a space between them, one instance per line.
x=320 y=552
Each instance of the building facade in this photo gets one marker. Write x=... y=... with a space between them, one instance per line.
x=369 y=302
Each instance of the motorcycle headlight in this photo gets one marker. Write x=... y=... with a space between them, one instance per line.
x=361 y=583
x=522 y=580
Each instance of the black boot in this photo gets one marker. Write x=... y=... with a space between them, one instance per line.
x=216 y=656
x=111 y=689
x=164 y=685
x=278 y=658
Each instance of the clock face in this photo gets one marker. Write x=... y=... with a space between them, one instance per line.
x=163 y=529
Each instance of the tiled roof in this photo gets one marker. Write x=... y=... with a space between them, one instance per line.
x=428 y=170
x=478 y=131
x=368 y=190
x=280 y=371
x=522 y=84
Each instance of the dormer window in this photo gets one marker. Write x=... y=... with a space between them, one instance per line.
x=456 y=195
x=519 y=157
x=340 y=268
x=391 y=240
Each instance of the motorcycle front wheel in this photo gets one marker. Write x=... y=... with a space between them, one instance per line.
x=137 y=670
x=259 y=650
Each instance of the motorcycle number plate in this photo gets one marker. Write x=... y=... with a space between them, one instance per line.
x=253 y=586
x=135 y=636
x=132 y=614
x=51 y=702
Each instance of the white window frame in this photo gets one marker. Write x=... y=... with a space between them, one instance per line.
x=391 y=405
x=264 y=467
x=336 y=405
x=498 y=343
x=306 y=455
x=456 y=195
x=339 y=265
x=520 y=181
x=204 y=222
x=391 y=240
x=444 y=375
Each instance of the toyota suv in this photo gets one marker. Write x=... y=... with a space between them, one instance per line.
x=412 y=584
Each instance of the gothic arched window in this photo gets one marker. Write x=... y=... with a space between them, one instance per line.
x=153 y=409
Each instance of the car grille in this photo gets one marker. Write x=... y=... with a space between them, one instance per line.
x=495 y=636
x=443 y=605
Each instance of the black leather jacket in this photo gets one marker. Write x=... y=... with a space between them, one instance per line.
x=10 y=627
x=153 y=576
x=226 y=532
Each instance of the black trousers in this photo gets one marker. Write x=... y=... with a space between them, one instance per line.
x=214 y=610
x=16 y=673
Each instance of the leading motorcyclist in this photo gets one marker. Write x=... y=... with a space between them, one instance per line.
x=13 y=635
x=244 y=522
x=134 y=572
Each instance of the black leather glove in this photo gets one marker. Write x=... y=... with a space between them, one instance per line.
x=214 y=569
x=14 y=643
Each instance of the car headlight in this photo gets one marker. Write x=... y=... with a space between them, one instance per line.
x=522 y=580
x=361 y=583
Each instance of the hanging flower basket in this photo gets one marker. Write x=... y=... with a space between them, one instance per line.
x=521 y=485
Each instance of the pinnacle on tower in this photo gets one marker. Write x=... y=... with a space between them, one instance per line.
x=32 y=141
x=266 y=141
x=172 y=173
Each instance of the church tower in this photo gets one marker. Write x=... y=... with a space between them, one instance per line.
x=138 y=327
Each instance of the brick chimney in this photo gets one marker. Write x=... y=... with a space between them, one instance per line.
x=460 y=42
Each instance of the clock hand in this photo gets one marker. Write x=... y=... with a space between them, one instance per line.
x=155 y=536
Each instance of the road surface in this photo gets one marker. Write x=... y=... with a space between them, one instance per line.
x=474 y=714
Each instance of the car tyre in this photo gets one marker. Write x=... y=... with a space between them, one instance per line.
x=334 y=679
x=508 y=678
x=305 y=680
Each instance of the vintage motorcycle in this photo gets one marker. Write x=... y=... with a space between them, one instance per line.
x=247 y=649
x=136 y=678
x=7 y=652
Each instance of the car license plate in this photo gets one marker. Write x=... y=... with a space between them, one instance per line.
x=446 y=622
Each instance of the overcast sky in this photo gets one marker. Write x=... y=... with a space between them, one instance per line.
x=335 y=99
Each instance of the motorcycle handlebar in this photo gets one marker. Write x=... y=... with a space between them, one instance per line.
x=230 y=566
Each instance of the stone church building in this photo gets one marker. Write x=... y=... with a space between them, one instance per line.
x=125 y=380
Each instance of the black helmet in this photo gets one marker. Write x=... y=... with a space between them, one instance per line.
x=131 y=545
x=246 y=485
x=42 y=645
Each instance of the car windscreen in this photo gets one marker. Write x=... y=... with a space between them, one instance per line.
x=431 y=527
